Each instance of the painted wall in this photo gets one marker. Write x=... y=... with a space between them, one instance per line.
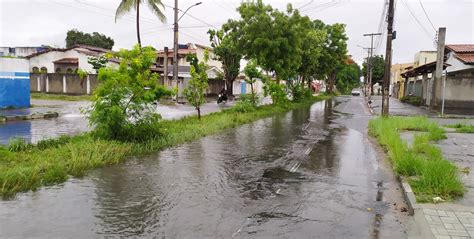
x=58 y=83
x=14 y=83
x=46 y=60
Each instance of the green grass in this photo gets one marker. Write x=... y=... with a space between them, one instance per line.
x=462 y=128
x=429 y=174
x=27 y=167
x=44 y=96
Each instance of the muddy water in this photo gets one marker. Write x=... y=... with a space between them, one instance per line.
x=310 y=173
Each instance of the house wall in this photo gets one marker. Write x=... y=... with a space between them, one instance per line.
x=424 y=57
x=459 y=91
x=63 y=83
x=14 y=83
x=46 y=60
x=455 y=64
x=19 y=51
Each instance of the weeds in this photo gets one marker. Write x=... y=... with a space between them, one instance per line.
x=462 y=128
x=429 y=174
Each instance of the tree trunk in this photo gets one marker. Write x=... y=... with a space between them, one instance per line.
x=138 y=24
x=251 y=90
x=230 y=88
x=302 y=83
x=331 y=81
x=199 y=112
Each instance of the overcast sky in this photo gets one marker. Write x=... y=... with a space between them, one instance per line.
x=34 y=23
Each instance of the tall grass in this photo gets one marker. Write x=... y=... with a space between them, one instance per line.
x=25 y=166
x=429 y=174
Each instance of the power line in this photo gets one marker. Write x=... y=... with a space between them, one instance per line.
x=426 y=14
x=195 y=18
x=417 y=20
x=322 y=6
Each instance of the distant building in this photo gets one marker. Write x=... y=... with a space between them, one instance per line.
x=396 y=80
x=66 y=60
x=459 y=79
x=21 y=51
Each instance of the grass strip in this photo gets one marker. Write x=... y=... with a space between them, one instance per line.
x=44 y=96
x=462 y=128
x=429 y=174
x=27 y=167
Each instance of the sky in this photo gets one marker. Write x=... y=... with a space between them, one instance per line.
x=43 y=22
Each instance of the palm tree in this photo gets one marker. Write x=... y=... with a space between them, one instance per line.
x=125 y=6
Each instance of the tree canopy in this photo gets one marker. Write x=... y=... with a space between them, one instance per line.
x=378 y=64
x=96 y=39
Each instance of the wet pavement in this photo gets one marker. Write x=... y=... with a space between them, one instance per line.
x=309 y=173
x=396 y=107
x=71 y=121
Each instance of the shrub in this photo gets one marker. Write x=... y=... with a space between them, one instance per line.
x=19 y=144
x=123 y=100
x=412 y=100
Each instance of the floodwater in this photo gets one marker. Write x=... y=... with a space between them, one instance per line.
x=310 y=173
x=71 y=121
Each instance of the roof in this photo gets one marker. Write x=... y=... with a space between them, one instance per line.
x=423 y=69
x=85 y=49
x=461 y=48
x=466 y=58
x=67 y=61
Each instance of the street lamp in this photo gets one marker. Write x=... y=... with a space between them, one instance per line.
x=175 y=51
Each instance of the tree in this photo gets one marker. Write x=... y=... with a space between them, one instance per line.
x=97 y=62
x=348 y=77
x=269 y=37
x=226 y=51
x=198 y=84
x=378 y=66
x=252 y=72
x=121 y=107
x=334 y=52
x=125 y=6
x=96 y=39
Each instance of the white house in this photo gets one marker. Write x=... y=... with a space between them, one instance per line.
x=66 y=60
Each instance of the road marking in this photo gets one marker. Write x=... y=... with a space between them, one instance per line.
x=295 y=167
x=308 y=151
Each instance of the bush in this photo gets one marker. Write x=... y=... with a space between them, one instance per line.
x=123 y=101
x=19 y=144
x=277 y=93
x=412 y=100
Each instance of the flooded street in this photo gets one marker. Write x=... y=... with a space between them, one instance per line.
x=309 y=173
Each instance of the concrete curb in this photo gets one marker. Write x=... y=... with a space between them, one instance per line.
x=49 y=115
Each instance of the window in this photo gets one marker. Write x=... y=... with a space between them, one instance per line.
x=35 y=69
x=44 y=70
x=69 y=71
x=58 y=70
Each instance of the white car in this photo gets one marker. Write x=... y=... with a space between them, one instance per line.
x=355 y=92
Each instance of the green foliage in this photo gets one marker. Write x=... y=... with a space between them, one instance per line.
x=252 y=72
x=82 y=73
x=44 y=96
x=412 y=100
x=430 y=175
x=347 y=78
x=198 y=84
x=462 y=128
x=96 y=39
x=225 y=49
x=270 y=37
x=378 y=68
x=277 y=92
x=245 y=104
x=18 y=144
x=97 y=62
x=123 y=99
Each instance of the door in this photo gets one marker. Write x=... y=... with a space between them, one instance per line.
x=243 y=87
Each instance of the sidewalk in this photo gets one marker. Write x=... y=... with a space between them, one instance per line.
x=396 y=107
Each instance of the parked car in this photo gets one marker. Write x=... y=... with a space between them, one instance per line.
x=355 y=92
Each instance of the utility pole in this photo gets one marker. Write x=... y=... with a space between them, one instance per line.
x=439 y=65
x=369 y=62
x=388 y=60
x=175 y=49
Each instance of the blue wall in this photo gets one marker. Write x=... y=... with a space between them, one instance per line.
x=14 y=89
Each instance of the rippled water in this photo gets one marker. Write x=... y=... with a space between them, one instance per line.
x=298 y=175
